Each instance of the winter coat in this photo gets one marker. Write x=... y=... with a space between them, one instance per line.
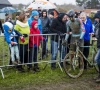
x=88 y=29
x=35 y=39
x=45 y=25
x=24 y=29
x=98 y=36
x=9 y=35
x=57 y=27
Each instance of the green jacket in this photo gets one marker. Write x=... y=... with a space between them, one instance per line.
x=23 y=28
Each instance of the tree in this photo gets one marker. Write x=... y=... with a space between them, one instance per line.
x=89 y=3
x=80 y=2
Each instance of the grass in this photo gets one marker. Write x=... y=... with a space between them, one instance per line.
x=46 y=78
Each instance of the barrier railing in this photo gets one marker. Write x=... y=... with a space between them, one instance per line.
x=46 y=47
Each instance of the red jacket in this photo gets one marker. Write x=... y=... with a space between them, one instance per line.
x=35 y=39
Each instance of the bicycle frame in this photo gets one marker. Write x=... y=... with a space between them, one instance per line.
x=79 y=51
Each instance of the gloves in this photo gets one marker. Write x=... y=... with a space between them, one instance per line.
x=59 y=33
x=25 y=35
x=35 y=46
x=45 y=39
x=22 y=39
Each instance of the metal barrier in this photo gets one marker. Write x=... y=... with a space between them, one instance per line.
x=5 y=51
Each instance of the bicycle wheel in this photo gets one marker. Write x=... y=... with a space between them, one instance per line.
x=73 y=65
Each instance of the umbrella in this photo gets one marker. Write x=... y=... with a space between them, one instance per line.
x=8 y=10
x=41 y=3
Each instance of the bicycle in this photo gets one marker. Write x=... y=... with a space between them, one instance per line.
x=73 y=62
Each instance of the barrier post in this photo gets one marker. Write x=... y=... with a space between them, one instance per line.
x=2 y=73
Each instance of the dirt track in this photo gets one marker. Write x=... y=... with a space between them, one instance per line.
x=76 y=84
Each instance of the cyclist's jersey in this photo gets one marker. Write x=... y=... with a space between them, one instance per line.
x=74 y=26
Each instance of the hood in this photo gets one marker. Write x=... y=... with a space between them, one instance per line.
x=44 y=11
x=60 y=16
x=97 y=15
x=33 y=23
x=34 y=13
x=7 y=26
x=22 y=24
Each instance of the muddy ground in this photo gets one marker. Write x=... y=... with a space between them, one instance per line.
x=78 y=84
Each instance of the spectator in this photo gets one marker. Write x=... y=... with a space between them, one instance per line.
x=12 y=42
x=35 y=16
x=51 y=17
x=58 y=26
x=88 y=29
x=45 y=30
x=23 y=28
x=97 y=31
x=8 y=18
x=1 y=28
x=39 y=11
x=17 y=16
x=34 y=43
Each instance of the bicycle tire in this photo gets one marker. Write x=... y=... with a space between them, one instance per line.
x=72 y=58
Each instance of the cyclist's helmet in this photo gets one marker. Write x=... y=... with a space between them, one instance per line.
x=71 y=13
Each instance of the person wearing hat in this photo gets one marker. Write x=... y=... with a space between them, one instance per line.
x=35 y=16
x=58 y=26
x=97 y=34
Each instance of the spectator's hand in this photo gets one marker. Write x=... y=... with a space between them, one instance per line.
x=22 y=39
x=25 y=35
x=13 y=43
x=46 y=39
x=92 y=34
x=35 y=45
x=59 y=33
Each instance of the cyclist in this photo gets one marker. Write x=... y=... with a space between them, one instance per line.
x=75 y=26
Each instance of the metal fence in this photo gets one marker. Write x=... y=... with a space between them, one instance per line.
x=46 y=49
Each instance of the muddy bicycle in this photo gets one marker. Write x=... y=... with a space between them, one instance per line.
x=73 y=62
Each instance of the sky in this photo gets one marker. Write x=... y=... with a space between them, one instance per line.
x=54 y=1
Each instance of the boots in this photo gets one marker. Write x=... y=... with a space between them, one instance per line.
x=36 y=68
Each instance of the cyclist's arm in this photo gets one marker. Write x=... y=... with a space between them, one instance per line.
x=67 y=31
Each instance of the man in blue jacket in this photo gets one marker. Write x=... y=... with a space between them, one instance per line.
x=35 y=16
x=88 y=29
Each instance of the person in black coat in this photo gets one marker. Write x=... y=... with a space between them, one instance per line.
x=97 y=34
x=1 y=28
x=58 y=27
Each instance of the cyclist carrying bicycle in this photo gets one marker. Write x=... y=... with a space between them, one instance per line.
x=75 y=26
